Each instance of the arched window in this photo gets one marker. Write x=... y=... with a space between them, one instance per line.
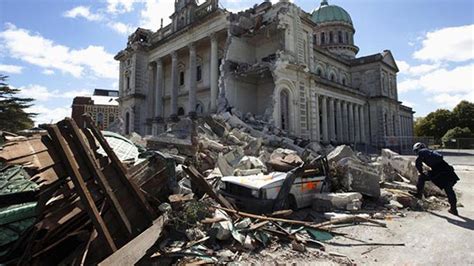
x=127 y=123
x=319 y=72
x=323 y=37
x=181 y=78
x=331 y=37
x=339 y=37
x=198 y=73
x=384 y=83
x=199 y=108
x=100 y=120
x=347 y=37
x=181 y=111
x=285 y=110
x=394 y=126
x=333 y=77
x=343 y=81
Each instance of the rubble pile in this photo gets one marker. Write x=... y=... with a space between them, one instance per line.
x=98 y=198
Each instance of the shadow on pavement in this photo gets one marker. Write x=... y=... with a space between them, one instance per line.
x=467 y=223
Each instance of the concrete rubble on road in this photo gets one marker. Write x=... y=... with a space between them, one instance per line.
x=160 y=203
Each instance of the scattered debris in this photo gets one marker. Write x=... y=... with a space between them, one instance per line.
x=100 y=198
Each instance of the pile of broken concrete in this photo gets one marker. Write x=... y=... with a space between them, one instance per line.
x=175 y=182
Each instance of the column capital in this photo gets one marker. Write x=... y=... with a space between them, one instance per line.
x=192 y=47
x=159 y=61
x=213 y=37
x=174 y=55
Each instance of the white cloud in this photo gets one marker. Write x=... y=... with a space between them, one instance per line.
x=122 y=6
x=48 y=72
x=48 y=115
x=450 y=101
x=42 y=93
x=155 y=10
x=93 y=60
x=454 y=44
x=11 y=69
x=121 y=28
x=406 y=69
x=84 y=12
x=403 y=66
x=457 y=80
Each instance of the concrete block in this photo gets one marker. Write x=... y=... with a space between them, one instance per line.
x=357 y=176
x=337 y=201
x=339 y=153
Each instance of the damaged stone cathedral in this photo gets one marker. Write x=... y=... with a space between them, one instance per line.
x=294 y=69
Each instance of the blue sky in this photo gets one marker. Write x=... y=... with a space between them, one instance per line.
x=56 y=49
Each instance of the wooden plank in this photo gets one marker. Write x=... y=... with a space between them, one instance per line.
x=39 y=161
x=24 y=148
x=131 y=253
x=102 y=180
x=206 y=187
x=81 y=188
x=121 y=171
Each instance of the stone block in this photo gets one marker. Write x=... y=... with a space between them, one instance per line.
x=337 y=201
x=339 y=153
x=357 y=176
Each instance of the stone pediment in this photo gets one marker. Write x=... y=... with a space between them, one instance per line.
x=389 y=59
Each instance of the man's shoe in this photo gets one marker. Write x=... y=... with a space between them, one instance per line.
x=416 y=194
x=453 y=212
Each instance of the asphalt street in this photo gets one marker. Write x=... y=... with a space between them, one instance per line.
x=430 y=238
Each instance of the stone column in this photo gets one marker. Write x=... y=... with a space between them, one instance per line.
x=332 y=121
x=340 y=129
x=159 y=89
x=364 y=121
x=158 y=126
x=192 y=80
x=174 y=85
x=214 y=72
x=318 y=122
x=357 y=123
x=350 y=107
x=324 y=108
x=345 y=123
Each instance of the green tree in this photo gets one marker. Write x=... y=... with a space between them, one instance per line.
x=13 y=116
x=464 y=115
x=435 y=124
x=454 y=138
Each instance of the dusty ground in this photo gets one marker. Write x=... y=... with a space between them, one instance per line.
x=435 y=238
x=430 y=238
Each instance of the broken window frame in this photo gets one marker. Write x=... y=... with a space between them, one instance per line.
x=285 y=110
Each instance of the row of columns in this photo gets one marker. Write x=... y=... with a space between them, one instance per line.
x=192 y=82
x=339 y=121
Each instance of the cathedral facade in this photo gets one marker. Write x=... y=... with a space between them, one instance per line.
x=294 y=69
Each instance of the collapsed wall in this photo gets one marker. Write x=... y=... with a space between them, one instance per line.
x=251 y=56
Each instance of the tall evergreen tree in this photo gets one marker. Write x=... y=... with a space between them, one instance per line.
x=13 y=116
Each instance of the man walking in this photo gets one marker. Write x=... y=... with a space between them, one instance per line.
x=441 y=174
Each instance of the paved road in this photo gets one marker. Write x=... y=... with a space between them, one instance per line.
x=458 y=157
x=436 y=238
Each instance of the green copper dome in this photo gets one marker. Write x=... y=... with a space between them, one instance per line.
x=330 y=13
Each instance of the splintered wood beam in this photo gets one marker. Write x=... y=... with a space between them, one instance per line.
x=120 y=169
x=134 y=250
x=102 y=180
x=201 y=182
x=72 y=168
